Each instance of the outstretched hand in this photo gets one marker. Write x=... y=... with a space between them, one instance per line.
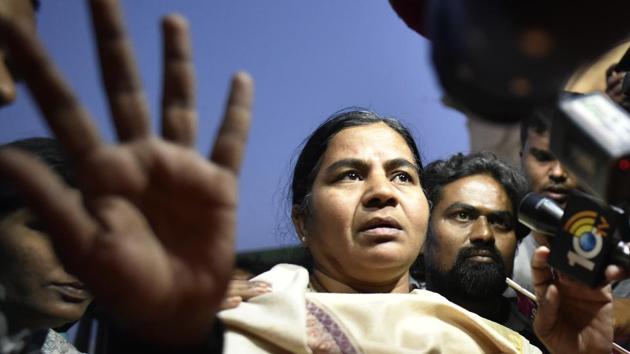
x=152 y=235
x=571 y=317
x=614 y=86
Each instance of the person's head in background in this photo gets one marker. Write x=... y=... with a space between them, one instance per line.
x=473 y=229
x=22 y=11
x=358 y=203
x=544 y=172
x=38 y=292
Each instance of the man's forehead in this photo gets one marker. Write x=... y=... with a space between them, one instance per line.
x=481 y=192
x=540 y=141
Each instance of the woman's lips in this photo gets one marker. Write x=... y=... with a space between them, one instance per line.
x=382 y=231
x=380 y=234
x=71 y=292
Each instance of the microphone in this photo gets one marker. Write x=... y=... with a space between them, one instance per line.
x=540 y=214
x=587 y=236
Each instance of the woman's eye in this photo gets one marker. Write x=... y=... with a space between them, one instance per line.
x=403 y=177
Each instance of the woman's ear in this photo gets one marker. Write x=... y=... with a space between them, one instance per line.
x=299 y=222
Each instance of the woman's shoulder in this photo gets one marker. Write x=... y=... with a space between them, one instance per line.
x=283 y=275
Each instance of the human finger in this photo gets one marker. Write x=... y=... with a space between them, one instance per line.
x=242 y=290
x=615 y=90
x=621 y=313
x=65 y=116
x=7 y=84
x=614 y=84
x=615 y=272
x=542 y=277
x=127 y=102
x=70 y=226
x=583 y=294
x=246 y=289
x=614 y=78
x=179 y=114
x=618 y=98
x=230 y=302
x=254 y=291
x=610 y=70
x=229 y=145
x=547 y=313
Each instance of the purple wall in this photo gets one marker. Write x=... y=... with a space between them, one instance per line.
x=309 y=59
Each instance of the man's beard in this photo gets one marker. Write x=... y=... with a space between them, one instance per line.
x=469 y=279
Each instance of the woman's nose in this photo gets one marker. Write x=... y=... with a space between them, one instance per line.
x=379 y=193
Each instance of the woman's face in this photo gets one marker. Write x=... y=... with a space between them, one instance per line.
x=368 y=214
x=39 y=292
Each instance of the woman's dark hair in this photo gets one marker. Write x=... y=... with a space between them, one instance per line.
x=442 y=172
x=315 y=145
x=48 y=151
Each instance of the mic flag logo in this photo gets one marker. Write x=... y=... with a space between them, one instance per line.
x=588 y=230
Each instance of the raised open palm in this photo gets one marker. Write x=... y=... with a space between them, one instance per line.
x=152 y=234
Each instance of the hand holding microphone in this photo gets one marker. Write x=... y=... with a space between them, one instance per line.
x=588 y=236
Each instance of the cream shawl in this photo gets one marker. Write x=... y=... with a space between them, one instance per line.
x=420 y=322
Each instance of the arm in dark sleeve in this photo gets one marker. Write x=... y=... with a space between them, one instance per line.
x=122 y=342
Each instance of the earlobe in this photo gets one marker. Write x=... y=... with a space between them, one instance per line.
x=297 y=216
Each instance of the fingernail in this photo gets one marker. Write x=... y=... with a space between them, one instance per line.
x=263 y=290
x=262 y=286
x=234 y=300
x=259 y=283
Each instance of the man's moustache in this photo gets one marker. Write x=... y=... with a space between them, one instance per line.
x=559 y=186
x=485 y=251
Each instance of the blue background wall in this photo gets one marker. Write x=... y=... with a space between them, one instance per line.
x=309 y=59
